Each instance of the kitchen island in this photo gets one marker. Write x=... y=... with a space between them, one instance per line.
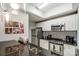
x=13 y=48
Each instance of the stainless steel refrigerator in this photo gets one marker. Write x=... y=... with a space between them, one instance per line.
x=36 y=35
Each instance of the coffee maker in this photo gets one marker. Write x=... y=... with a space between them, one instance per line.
x=70 y=40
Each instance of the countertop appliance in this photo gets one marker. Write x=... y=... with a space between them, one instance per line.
x=71 y=40
x=49 y=36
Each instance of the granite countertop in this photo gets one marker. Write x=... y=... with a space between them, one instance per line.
x=54 y=40
x=8 y=43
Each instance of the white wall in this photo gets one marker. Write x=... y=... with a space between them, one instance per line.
x=21 y=17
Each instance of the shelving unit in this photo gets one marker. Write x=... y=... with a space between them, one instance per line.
x=14 y=27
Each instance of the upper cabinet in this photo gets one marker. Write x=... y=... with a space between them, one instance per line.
x=70 y=22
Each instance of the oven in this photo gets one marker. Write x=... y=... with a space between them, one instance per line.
x=57 y=49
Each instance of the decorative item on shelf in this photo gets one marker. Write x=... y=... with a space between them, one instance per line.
x=21 y=30
x=15 y=24
x=8 y=30
x=8 y=24
x=15 y=30
x=21 y=25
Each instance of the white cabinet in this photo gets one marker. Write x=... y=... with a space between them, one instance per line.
x=69 y=50
x=44 y=44
x=70 y=22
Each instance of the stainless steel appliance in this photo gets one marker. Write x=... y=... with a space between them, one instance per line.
x=60 y=27
x=56 y=47
x=39 y=32
x=36 y=35
x=71 y=40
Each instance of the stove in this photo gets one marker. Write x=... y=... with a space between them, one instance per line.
x=56 y=46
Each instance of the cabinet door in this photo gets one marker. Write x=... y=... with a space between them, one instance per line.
x=46 y=26
x=44 y=44
x=70 y=22
x=69 y=50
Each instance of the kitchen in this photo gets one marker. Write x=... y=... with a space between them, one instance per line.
x=39 y=29
x=60 y=33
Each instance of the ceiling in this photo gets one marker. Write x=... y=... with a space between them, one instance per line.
x=48 y=6
x=33 y=17
x=37 y=4
x=7 y=7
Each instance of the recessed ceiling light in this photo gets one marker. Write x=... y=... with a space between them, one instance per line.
x=43 y=5
x=14 y=5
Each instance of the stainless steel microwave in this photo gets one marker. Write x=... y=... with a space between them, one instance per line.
x=58 y=27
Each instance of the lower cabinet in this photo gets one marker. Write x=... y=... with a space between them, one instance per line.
x=65 y=50
x=69 y=50
x=44 y=44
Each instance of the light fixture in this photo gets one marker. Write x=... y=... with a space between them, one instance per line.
x=43 y=5
x=7 y=16
x=14 y=6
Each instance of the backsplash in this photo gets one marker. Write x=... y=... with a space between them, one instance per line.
x=61 y=35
